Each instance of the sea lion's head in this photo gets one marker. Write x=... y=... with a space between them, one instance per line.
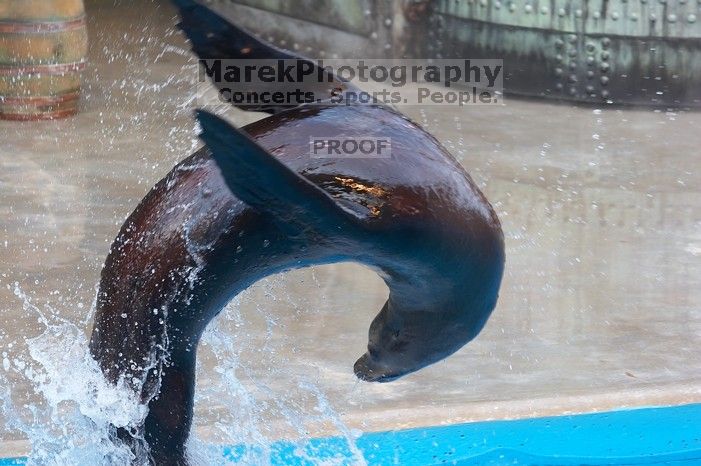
x=438 y=304
x=400 y=343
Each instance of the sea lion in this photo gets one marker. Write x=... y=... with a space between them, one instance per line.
x=252 y=203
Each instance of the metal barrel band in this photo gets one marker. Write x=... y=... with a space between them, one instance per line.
x=40 y=100
x=55 y=115
x=48 y=69
x=41 y=27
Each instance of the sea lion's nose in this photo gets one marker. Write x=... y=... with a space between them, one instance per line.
x=366 y=370
x=369 y=370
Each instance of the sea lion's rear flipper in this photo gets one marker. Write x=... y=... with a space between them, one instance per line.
x=258 y=178
x=214 y=37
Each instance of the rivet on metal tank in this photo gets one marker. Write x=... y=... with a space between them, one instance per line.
x=672 y=18
x=512 y=7
x=604 y=67
x=604 y=80
x=589 y=89
x=559 y=43
x=578 y=13
x=604 y=93
x=572 y=52
x=605 y=42
x=633 y=16
x=573 y=65
x=605 y=55
x=691 y=18
x=572 y=38
x=572 y=78
x=573 y=91
x=483 y=3
x=558 y=71
x=614 y=15
x=497 y=5
x=558 y=58
x=558 y=86
x=544 y=10
x=561 y=12
x=596 y=15
x=590 y=74
x=590 y=60
x=528 y=8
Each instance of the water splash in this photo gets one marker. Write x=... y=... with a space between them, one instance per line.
x=75 y=410
x=73 y=421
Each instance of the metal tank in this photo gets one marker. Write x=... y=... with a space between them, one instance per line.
x=645 y=52
x=622 y=51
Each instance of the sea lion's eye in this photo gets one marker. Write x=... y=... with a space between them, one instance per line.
x=397 y=344
x=398 y=339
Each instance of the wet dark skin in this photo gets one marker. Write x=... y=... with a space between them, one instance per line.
x=253 y=203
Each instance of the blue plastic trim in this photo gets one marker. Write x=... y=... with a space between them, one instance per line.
x=648 y=436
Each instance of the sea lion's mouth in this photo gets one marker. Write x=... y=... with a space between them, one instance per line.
x=369 y=371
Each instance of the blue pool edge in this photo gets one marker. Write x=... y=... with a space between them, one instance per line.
x=638 y=436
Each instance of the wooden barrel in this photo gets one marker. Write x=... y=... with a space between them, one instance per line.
x=43 y=44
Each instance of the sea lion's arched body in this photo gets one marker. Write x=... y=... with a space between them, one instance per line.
x=231 y=214
x=191 y=246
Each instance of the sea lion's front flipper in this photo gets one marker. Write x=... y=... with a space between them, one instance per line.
x=214 y=37
x=263 y=182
